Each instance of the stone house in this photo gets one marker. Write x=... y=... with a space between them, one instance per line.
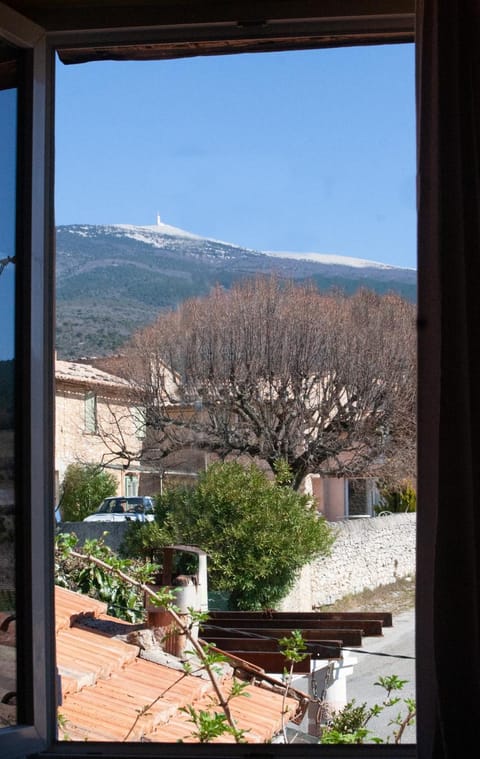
x=340 y=497
x=97 y=422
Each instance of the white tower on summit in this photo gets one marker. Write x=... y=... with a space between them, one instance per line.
x=158 y=219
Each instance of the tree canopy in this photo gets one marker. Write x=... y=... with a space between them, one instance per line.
x=279 y=371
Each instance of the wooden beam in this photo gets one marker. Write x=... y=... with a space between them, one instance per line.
x=271 y=661
x=348 y=637
x=367 y=626
x=384 y=616
x=318 y=649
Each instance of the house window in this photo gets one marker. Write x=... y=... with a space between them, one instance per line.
x=91 y=427
x=34 y=459
x=131 y=484
x=362 y=496
x=140 y=421
x=358 y=505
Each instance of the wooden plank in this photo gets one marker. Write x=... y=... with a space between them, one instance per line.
x=384 y=616
x=271 y=661
x=348 y=637
x=318 y=649
x=369 y=626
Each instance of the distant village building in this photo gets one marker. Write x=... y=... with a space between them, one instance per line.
x=96 y=422
x=339 y=497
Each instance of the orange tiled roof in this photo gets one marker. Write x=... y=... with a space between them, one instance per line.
x=110 y=693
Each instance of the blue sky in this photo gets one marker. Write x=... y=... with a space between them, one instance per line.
x=8 y=125
x=310 y=151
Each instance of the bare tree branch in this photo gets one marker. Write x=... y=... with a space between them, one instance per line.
x=276 y=370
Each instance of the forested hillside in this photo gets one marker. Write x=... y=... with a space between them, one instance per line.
x=111 y=280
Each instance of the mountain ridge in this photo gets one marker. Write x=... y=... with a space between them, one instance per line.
x=115 y=278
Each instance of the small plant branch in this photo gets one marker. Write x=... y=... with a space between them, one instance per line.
x=294 y=649
x=403 y=724
x=149 y=706
x=223 y=702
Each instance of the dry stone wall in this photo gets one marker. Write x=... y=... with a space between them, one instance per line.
x=367 y=553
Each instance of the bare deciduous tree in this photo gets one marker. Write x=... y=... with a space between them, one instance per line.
x=279 y=371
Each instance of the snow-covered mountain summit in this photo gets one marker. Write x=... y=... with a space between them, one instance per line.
x=332 y=258
x=153 y=234
x=114 y=278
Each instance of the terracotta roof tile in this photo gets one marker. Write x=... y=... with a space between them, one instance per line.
x=110 y=693
x=69 y=370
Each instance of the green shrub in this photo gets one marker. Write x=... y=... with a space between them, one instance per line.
x=257 y=533
x=397 y=500
x=144 y=540
x=83 y=488
x=124 y=600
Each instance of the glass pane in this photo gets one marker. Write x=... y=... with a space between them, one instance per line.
x=8 y=126
x=299 y=164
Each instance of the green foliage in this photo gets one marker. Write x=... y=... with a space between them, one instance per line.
x=124 y=600
x=83 y=488
x=350 y=724
x=257 y=533
x=144 y=540
x=283 y=473
x=210 y=657
x=99 y=568
x=293 y=647
x=63 y=723
x=397 y=500
x=100 y=572
x=209 y=726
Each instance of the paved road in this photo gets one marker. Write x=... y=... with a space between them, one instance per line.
x=397 y=640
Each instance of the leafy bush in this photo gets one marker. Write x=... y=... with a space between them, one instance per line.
x=123 y=599
x=83 y=488
x=257 y=533
x=350 y=724
x=397 y=500
x=145 y=540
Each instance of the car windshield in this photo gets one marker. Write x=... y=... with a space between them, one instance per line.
x=124 y=506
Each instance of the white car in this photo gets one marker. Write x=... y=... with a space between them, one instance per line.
x=124 y=509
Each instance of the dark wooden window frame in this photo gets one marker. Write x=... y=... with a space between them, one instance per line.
x=36 y=732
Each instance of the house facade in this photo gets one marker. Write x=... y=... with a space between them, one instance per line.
x=339 y=497
x=97 y=422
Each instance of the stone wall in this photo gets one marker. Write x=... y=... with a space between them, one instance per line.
x=367 y=553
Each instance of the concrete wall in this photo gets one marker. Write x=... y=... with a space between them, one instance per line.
x=94 y=530
x=367 y=553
